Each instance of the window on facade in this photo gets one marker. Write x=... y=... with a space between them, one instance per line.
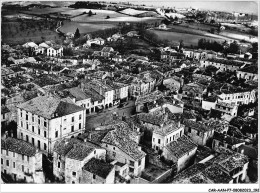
x=139 y=162
x=39 y=132
x=32 y=118
x=114 y=148
x=39 y=121
x=45 y=133
x=45 y=146
x=189 y=130
x=80 y=126
x=7 y=162
x=95 y=152
x=153 y=139
x=58 y=164
x=94 y=176
x=80 y=117
x=26 y=116
x=28 y=158
x=13 y=164
x=45 y=123
x=22 y=168
x=2 y=161
x=72 y=128
x=56 y=134
x=21 y=114
x=114 y=154
x=167 y=140
x=7 y=152
x=39 y=144
x=27 y=138
x=72 y=119
x=159 y=141
x=74 y=173
x=13 y=154
x=21 y=135
x=32 y=128
x=22 y=157
x=32 y=140
x=21 y=124
x=27 y=126
x=73 y=182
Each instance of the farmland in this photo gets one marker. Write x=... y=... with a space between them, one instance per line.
x=189 y=39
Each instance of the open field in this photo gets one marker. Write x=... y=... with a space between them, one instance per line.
x=71 y=26
x=189 y=39
x=39 y=11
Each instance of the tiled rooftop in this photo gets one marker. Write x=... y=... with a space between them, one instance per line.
x=181 y=146
x=196 y=125
x=227 y=139
x=62 y=147
x=49 y=107
x=80 y=151
x=120 y=138
x=18 y=146
x=98 y=167
x=149 y=98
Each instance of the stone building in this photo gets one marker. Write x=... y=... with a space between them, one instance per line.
x=45 y=119
x=200 y=133
x=70 y=155
x=97 y=171
x=21 y=160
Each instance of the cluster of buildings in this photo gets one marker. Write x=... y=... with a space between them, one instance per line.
x=184 y=129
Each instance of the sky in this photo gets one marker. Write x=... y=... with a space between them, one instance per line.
x=250 y=7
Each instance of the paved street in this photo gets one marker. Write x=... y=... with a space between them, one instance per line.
x=95 y=120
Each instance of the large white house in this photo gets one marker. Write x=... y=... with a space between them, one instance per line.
x=45 y=119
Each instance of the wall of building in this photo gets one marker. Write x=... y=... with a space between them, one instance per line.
x=208 y=105
x=164 y=140
x=114 y=153
x=45 y=132
x=24 y=167
x=72 y=165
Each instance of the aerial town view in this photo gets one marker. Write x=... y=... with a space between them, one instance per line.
x=121 y=92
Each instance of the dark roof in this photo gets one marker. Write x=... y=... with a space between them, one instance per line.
x=121 y=137
x=250 y=151
x=80 y=151
x=226 y=138
x=250 y=69
x=98 y=167
x=49 y=107
x=196 y=125
x=4 y=110
x=203 y=152
x=18 y=146
x=78 y=93
x=62 y=147
x=181 y=146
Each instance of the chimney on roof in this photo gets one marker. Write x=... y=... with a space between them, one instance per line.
x=89 y=136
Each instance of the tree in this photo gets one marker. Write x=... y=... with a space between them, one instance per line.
x=77 y=34
x=212 y=30
x=181 y=44
x=90 y=13
x=233 y=48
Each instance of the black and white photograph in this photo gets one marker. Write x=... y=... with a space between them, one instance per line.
x=129 y=93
